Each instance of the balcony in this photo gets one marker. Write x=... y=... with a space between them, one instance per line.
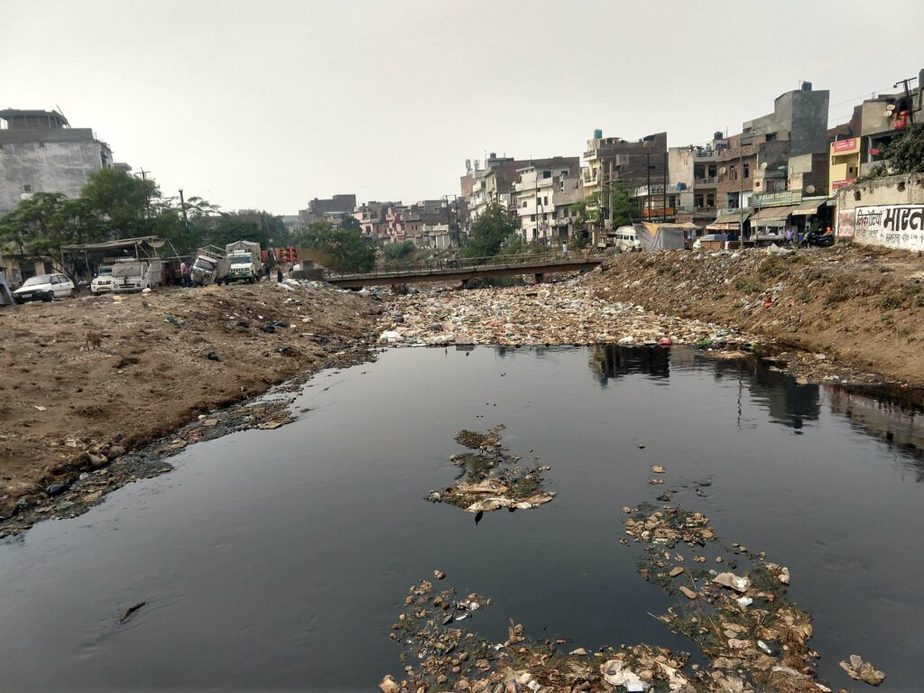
x=704 y=180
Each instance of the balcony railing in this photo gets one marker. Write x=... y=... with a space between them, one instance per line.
x=704 y=180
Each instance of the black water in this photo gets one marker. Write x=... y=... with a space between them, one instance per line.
x=273 y=559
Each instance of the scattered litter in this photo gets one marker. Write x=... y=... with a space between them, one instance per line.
x=130 y=611
x=859 y=670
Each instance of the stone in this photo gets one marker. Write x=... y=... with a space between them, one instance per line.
x=675 y=571
x=55 y=489
x=687 y=592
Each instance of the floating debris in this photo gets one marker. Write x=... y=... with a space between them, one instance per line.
x=859 y=670
x=491 y=478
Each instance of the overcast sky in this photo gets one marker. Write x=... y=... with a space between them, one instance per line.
x=269 y=103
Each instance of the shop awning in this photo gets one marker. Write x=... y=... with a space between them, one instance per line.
x=808 y=209
x=772 y=216
x=729 y=221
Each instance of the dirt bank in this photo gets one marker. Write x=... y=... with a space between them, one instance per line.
x=861 y=307
x=84 y=381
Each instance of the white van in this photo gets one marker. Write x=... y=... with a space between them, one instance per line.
x=625 y=240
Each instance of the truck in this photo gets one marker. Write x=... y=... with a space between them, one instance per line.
x=244 y=263
x=210 y=266
x=135 y=274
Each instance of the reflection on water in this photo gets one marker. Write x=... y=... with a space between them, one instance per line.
x=279 y=559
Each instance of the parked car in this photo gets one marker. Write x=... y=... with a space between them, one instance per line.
x=44 y=287
x=102 y=282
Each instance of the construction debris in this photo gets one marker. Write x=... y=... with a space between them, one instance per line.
x=859 y=670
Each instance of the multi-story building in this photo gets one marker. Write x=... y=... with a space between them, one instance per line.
x=884 y=117
x=609 y=161
x=772 y=164
x=693 y=173
x=545 y=194
x=331 y=210
x=41 y=152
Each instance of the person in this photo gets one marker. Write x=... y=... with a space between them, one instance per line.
x=279 y=274
x=6 y=296
x=184 y=272
x=266 y=271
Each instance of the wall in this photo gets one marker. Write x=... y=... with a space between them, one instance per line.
x=885 y=211
x=48 y=167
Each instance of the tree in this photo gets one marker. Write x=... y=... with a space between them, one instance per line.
x=489 y=231
x=398 y=251
x=39 y=226
x=342 y=250
x=906 y=152
x=624 y=207
x=350 y=223
x=122 y=201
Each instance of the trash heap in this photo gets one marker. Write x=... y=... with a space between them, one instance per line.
x=560 y=313
x=491 y=477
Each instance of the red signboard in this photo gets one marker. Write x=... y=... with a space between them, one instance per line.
x=840 y=183
x=848 y=146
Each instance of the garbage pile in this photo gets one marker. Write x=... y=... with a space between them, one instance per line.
x=560 y=313
x=491 y=477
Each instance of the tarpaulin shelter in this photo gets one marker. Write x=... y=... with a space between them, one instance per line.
x=654 y=236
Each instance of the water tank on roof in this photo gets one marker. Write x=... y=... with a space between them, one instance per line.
x=717 y=135
x=598 y=134
x=681 y=186
x=806 y=86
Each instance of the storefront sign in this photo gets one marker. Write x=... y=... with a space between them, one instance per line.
x=849 y=146
x=840 y=183
x=893 y=226
x=845 y=223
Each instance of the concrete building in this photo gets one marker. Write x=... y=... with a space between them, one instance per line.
x=763 y=173
x=611 y=160
x=886 y=211
x=884 y=117
x=41 y=152
x=373 y=218
x=331 y=210
x=545 y=193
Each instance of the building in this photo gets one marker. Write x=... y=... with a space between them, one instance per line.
x=612 y=160
x=331 y=210
x=41 y=152
x=545 y=195
x=775 y=172
x=886 y=116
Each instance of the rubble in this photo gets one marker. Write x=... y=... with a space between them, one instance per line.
x=491 y=477
x=564 y=312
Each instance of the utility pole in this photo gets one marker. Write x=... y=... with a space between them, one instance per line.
x=648 y=172
x=183 y=211
x=664 y=191
x=904 y=83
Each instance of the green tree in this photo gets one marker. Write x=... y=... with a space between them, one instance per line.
x=122 y=201
x=350 y=223
x=906 y=152
x=624 y=206
x=398 y=251
x=489 y=231
x=342 y=250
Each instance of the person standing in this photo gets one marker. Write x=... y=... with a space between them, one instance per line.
x=184 y=273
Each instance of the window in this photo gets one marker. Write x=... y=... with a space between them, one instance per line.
x=770 y=137
x=546 y=174
x=710 y=200
x=746 y=168
x=545 y=200
x=532 y=217
x=27 y=188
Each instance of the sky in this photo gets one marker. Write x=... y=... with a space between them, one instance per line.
x=267 y=104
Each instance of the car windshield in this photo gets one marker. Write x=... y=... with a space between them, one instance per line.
x=38 y=280
x=203 y=264
x=103 y=271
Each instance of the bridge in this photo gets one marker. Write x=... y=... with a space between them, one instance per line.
x=470 y=268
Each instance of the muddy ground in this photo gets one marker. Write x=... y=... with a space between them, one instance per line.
x=85 y=381
x=860 y=307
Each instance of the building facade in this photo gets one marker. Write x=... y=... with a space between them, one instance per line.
x=331 y=210
x=545 y=194
x=41 y=152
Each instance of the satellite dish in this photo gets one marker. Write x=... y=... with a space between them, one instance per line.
x=810 y=189
x=890 y=108
x=723 y=170
x=763 y=164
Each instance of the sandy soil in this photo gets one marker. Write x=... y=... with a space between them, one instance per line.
x=103 y=375
x=859 y=306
